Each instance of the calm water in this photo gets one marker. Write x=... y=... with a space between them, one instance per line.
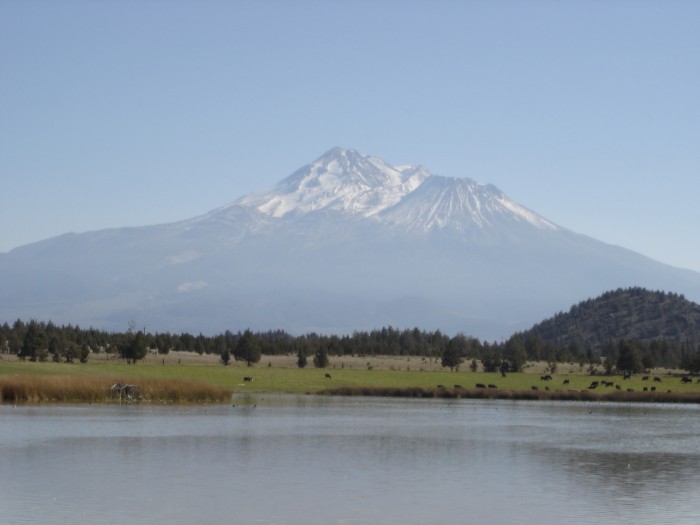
x=330 y=461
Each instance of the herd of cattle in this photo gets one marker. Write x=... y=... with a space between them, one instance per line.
x=548 y=377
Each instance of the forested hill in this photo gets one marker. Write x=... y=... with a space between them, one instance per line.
x=630 y=313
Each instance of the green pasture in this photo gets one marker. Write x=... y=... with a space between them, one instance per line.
x=313 y=380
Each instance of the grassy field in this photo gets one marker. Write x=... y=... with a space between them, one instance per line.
x=166 y=376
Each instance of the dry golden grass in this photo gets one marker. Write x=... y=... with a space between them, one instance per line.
x=96 y=389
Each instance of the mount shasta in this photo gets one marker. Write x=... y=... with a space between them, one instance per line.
x=345 y=243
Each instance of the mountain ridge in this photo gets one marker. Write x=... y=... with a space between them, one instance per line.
x=625 y=313
x=344 y=255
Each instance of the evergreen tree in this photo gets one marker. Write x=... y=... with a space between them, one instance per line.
x=301 y=358
x=55 y=349
x=133 y=347
x=628 y=360
x=321 y=357
x=84 y=353
x=247 y=349
x=32 y=343
x=451 y=355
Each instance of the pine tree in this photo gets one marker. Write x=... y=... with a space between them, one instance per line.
x=321 y=358
x=247 y=349
x=33 y=342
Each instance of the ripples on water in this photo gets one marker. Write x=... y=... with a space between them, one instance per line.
x=307 y=460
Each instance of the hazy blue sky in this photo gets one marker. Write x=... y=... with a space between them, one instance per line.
x=140 y=112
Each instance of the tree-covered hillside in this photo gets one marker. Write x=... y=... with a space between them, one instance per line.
x=657 y=329
x=630 y=313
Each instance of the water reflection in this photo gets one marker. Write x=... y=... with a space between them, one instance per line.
x=305 y=460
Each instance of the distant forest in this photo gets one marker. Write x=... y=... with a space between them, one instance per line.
x=631 y=329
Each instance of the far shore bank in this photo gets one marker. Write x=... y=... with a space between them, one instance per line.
x=531 y=395
x=189 y=378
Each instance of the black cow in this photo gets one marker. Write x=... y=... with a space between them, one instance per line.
x=566 y=381
x=686 y=379
x=626 y=376
x=645 y=378
x=328 y=376
x=491 y=385
x=657 y=379
x=480 y=385
x=247 y=379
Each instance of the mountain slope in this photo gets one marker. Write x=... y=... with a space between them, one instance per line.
x=631 y=313
x=345 y=243
x=459 y=204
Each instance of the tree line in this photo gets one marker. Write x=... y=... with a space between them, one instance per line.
x=44 y=341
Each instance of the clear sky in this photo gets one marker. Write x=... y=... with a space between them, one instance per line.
x=129 y=112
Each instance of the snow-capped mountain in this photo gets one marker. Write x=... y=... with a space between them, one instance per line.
x=406 y=196
x=459 y=204
x=347 y=242
x=340 y=180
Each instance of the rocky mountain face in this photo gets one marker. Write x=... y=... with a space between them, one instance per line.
x=345 y=243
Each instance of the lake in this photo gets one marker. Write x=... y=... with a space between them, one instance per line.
x=319 y=460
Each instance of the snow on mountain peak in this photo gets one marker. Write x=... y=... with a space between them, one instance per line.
x=442 y=202
x=341 y=180
x=344 y=180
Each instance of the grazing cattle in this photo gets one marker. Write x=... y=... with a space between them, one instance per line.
x=480 y=385
x=503 y=374
x=653 y=389
x=594 y=384
x=645 y=389
x=546 y=388
x=645 y=378
x=618 y=387
x=534 y=388
x=328 y=376
x=657 y=379
x=491 y=385
x=626 y=376
x=458 y=386
x=546 y=378
x=248 y=379
x=630 y=389
x=686 y=379
x=441 y=386
x=566 y=382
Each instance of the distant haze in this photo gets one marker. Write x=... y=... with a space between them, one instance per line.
x=128 y=113
x=347 y=242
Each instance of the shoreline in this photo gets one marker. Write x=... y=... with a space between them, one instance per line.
x=190 y=379
x=524 y=395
